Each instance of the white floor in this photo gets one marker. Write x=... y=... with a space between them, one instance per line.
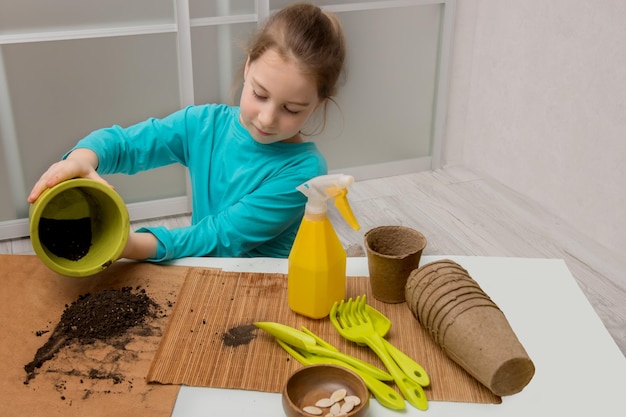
x=462 y=213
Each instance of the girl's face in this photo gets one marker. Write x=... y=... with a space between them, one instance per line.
x=277 y=99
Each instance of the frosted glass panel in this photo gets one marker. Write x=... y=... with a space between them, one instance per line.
x=387 y=101
x=214 y=8
x=62 y=90
x=18 y=16
x=218 y=57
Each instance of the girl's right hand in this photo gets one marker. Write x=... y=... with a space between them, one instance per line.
x=81 y=163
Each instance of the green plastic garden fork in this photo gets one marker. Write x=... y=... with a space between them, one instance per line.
x=352 y=322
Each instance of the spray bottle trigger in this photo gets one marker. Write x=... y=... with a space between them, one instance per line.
x=341 y=202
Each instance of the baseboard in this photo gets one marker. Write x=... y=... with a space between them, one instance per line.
x=387 y=169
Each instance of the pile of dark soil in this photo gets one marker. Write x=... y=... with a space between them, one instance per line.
x=69 y=239
x=102 y=315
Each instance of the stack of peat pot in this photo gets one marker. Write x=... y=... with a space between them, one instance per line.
x=468 y=326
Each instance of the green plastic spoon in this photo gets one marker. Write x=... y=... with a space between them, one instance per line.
x=308 y=343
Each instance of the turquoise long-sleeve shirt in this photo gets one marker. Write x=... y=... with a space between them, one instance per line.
x=244 y=197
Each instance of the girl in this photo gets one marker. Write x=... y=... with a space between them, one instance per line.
x=244 y=162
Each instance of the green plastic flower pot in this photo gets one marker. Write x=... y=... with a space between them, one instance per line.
x=79 y=227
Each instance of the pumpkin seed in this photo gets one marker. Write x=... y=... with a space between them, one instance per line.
x=324 y=402
x=312 y=410
x=346 y=407
x=338 y=395
x=353 y=399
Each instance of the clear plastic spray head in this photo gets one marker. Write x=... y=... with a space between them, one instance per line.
x=325 y=187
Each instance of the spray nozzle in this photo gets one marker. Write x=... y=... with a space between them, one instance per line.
x=321 y=189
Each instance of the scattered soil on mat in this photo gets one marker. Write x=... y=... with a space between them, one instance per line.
x=69 y=239
x=239 y=335
x=98 y=316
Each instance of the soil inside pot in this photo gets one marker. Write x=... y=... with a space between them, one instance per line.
x=69 y=239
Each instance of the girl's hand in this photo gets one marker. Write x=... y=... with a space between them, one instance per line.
x=81 y=163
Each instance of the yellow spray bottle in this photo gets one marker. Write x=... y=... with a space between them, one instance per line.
x=316 y=275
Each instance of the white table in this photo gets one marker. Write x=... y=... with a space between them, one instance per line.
x=580 y=371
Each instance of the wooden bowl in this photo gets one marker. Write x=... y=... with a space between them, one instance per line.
x=306 y=386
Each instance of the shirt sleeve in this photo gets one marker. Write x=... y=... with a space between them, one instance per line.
x=149 y=144
x=273 y=209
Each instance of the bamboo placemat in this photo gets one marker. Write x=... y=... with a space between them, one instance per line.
x=210 y=340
